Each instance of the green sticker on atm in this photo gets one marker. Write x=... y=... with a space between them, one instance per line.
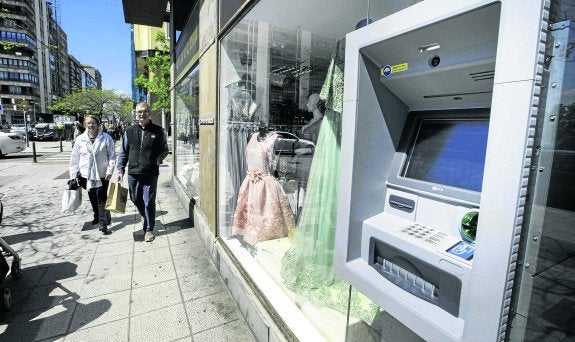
x=388 y=70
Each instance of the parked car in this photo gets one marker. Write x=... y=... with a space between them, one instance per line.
x=21 y=128
x=288 y=143
x=5 y=128
x=11 y=143
x=47 y=131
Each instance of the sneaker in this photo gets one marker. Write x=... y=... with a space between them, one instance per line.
x=104 y=229
x=149 y=237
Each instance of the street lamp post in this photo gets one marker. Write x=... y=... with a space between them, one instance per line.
x=34 y=108
x=26 y=129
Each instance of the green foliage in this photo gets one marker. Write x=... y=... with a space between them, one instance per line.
x=96 y=102
x=157 y=79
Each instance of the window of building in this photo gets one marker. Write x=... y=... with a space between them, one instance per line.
x=186 y=132
x=280 y=100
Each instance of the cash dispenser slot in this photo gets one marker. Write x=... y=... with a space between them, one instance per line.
x=415 y=276
x=401 y=203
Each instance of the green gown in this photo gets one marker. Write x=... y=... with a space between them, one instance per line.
x=307 y=267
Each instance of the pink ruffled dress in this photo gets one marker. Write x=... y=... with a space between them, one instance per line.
x=262 y=211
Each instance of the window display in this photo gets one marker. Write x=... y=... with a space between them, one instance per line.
x=262 y=212
x=187 y=132
x=281 y=99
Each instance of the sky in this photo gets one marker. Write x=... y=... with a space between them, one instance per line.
x=98 y=36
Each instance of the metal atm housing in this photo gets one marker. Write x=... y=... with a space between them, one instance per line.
x=439 y=113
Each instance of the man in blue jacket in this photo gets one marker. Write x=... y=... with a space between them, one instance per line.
x=144 y=147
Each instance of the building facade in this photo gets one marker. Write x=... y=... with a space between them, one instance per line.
x=35 y=66
x=256 y=151
x=144 y=45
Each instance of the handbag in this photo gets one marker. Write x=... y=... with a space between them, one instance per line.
x=117 y=198
x=71 y=200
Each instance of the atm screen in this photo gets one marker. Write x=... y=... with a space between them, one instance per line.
x=449 y=152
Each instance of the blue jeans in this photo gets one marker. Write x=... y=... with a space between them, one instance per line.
x=143 y=195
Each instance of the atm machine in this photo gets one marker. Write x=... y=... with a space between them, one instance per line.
x=440 y=102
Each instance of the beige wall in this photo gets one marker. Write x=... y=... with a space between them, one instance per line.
x=208 y=112
x=208 y=24
x=208 y=136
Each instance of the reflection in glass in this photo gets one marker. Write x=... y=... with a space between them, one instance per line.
x=187 y=132
x=545 y=287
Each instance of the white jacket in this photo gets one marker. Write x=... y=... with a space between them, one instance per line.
x=103 y=151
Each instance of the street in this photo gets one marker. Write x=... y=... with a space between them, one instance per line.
x=45 y=151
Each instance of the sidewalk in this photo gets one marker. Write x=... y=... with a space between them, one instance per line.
x=79 y=285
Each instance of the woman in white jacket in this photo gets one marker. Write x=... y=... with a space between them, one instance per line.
x=92 y=161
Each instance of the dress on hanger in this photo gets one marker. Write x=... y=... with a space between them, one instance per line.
x=262 y=211
x=241 y=102
x=307 y=267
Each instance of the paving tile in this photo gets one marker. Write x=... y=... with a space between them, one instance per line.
x=166 y=324
x=154 y=297
x=152 y=256
x=202 y=284
x=78 y=249
x=53 y=294
x=191 y=265
x=211 y=311
x=102 y=309
x=114 y=248
x=105 y=282
x=186 y=339
x=41 y=324
x=114 y=263
x=183 y=236
x=65 y=271
x=18 y=300
x=35 y=258
x=152 y=274
x=161 y=241
x=116 y=331
x=191 y=247
x=232 y=331
x=54 y=339
x=124 y=234
x=30 y=276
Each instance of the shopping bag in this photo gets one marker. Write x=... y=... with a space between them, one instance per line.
x=117 y=198
x=71 y=200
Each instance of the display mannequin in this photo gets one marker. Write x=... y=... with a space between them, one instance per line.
x=262 y=131
x=262 y=211
x=307 y=267
x=315 y=105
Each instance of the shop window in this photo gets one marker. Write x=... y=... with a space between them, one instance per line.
x=187 y=133
x=281 y=95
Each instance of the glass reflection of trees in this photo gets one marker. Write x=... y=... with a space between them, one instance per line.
x=187 y=132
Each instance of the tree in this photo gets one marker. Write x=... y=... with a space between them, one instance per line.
x=157 y=78
x=96 y=102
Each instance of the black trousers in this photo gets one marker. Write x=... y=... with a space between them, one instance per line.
x=98 y=197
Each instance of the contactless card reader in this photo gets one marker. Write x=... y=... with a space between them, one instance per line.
x=428 y=263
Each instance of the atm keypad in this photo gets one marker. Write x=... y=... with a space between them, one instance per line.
x=423 y=233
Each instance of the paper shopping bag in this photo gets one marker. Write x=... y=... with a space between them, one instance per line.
x=117 y=198
x=71 y=200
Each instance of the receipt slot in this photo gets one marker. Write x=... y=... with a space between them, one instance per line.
x=440 y=102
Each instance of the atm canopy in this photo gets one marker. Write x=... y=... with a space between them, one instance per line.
x=465 y=47
x=155 y=13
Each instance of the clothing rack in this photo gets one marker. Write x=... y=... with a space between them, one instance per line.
x=242 y=125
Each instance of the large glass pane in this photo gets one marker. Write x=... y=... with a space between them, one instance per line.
x=544 y=295
x=187 y=132
x=281 y=87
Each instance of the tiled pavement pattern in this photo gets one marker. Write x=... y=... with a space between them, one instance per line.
x=79 y=285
